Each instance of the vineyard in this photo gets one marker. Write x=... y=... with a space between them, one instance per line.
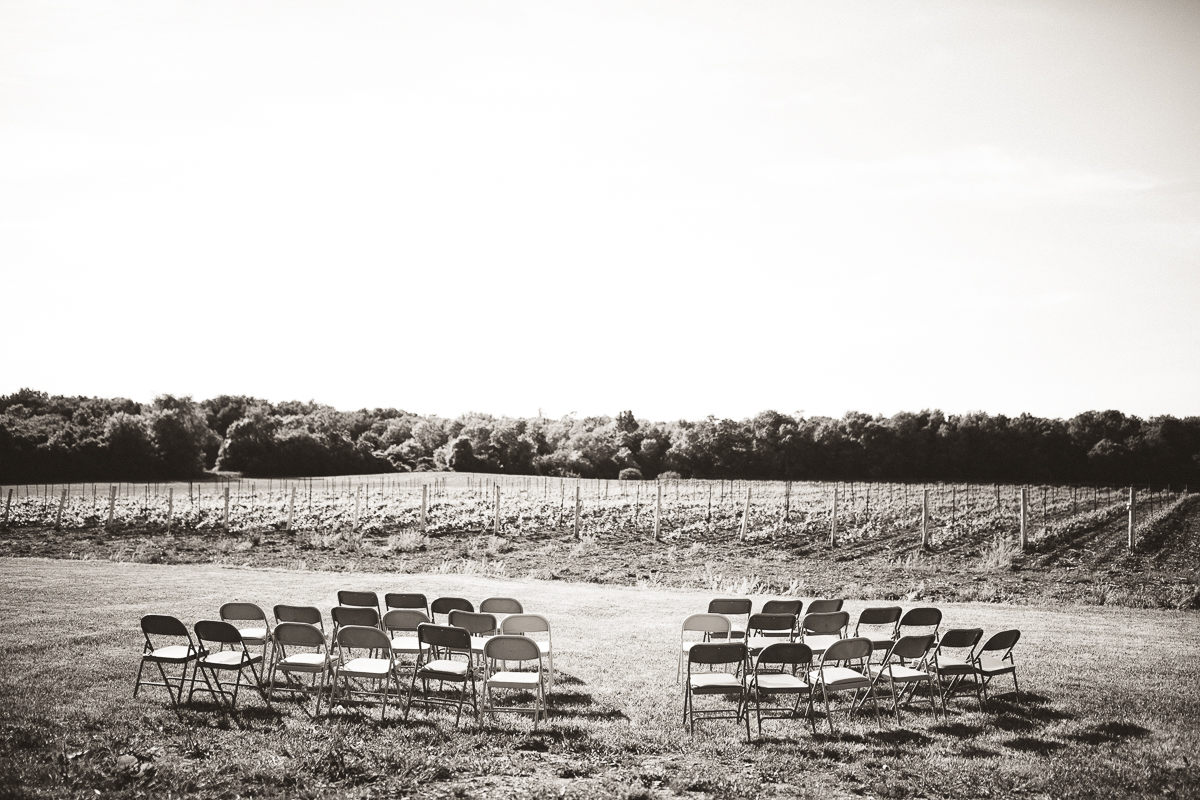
x=855 y=539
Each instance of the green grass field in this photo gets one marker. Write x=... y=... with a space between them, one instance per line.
x=1109 y=705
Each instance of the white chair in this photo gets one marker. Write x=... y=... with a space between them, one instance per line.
x=534 y=626
x=706 y=625
x=299 y=648
x=509 y=650
x=365 y=654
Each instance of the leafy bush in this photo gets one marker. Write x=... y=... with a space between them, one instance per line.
x=630 y=474
x=669 y=475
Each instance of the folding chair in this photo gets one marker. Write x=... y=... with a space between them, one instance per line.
x=309 y=615
x=526 y=624
x=359 y=616
x=444 y=605
x=825 y=606
x=410 y=601
x=481 y=627
x=919 y=621
x=954 y=662
x=782 y=668
x=908 y=664
x=359 y=599
x=365 y=653
x=782 y=607
x=990 y=666
x=501 y=605
x=731 y=607
x=823 y=628
x=299 y=648
x=213 y=662
x=879 y=624
x=766 y=629
x=714 y=654
x=160 y=625
x=834 y=678
x=448 y=641
x=401 y=625
x=521 y=650
x=704 y=624
x=257 y=636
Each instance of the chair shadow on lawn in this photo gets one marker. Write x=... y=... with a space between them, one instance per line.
x=1111 y=731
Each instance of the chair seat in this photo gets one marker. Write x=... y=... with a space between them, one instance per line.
x=513 y=680
x=820 y=643
x=840 y=677
x=365 y=668
x=408 y=644
x=779 y=682
x=990 y=665
x=949 y=665
x=477 y=643
x=714 y=682
x=443 y=667
x=757 y=643
x=899 y=673
x=254 y=635
x=304 y=662
x=174 y=654
x=229 y=659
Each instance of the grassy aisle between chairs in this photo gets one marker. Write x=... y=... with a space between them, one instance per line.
x=1108 y=706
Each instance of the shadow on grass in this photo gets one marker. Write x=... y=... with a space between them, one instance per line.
x=958 y=730
x=975 y=751
x=1112 y=731
x=900 y=736
x=1029 y=744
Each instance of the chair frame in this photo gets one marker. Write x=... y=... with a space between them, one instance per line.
x=405 y=600
x=357 y=599
x=508 y=648
x=1004 y=641
x=858 y=649
x=164 y=625
x=448 y=641
x=294 y=634
x=823 y=623
x=877 y=617
x=373 y=640
x=525 y=624
x=209 y=664
x=823 y=605
x=706 y=624
x=797 y=655
x=245 y=612
x=766 y=626
x=713 y=654
x=915 y=656
x=444 y=605
x=308 y=615
x=731 y=607
x=958 y=669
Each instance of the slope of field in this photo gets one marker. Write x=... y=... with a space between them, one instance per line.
x=1108 y=707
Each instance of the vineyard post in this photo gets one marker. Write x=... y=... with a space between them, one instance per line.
x=1024 y=518
x=745 y=516
x=657 y=508
x=496 y=521
x=62 y=501
x=925 y=519
x=170 y=506
x=7 y=505
x=357 y=503
x=1132 y=516
x=291 y=507
x=708 y=514
x=424 y=505
x=112 y=500
x=833 y=518
x=225 y=516
x=578 y=502
x=953 y=506
x=997 y=487
x=787 y=501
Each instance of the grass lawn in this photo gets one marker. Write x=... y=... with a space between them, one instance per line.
x=1110 y=705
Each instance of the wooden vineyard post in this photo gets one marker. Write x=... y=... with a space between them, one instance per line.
x=496 y=521
x=657 y=509
x=833 y=519
x=357 y=504
x=745 y=517
x=578 y=503
x=1132 y=517
x=1024 y=518
x=925 y=519
x=112 y=501
x=7 y=505
x=424 y=505
x=170 y=506
x=997 y=487
x=291 y=507
x=62 y=501
x=225 y=516
x=787 y=501
x=708 y=514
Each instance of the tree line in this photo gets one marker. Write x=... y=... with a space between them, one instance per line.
x=46 y=438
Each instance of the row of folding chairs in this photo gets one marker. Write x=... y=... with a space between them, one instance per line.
x=882 y=624
x=953 y=663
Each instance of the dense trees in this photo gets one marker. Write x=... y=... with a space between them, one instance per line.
x=47 y=438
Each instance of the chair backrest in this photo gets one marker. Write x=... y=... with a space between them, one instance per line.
x=409 y=600
x=1004 y=640
x=310 y=615
x=214 y=630
x=762 y=623
x=163 y=625
x=825 y=623
x=474 y=622
x=713 y=653
x=241 y=612
x=351 y=598
x=879 y=616
x=512 y=648
x=785 y=654
x=446 y=636
x=733 y=606
x=404 y=619
x=926 y=617
x=356 y=616
x=960 y=638
x=707 y=623
x=501 y=605
x=782 y=607
x=524 y=623
x=853 y=649
x=824 y=606
x=911 y=648
x=298 y=634
x=444 y=605
x=361 y=637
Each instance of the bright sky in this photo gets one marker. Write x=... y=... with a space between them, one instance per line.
x=683 y=208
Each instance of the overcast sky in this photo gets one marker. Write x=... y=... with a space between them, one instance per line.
x=682 y=208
